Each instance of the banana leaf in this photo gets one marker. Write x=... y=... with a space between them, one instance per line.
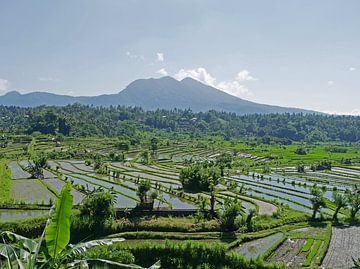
x=57 y=233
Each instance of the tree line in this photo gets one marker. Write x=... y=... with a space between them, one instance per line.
x=81 y=120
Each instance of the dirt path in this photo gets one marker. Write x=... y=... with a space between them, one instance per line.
x=264 y=207
x=345 y=244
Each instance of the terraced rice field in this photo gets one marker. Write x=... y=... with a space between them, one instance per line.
x=16 y=171
x=12 y=215
x=31 y=191
x=290 y=253
x=259 y=246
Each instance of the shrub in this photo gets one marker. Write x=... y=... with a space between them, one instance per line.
x=231 y=210
x=300 y=151
x=199 y=177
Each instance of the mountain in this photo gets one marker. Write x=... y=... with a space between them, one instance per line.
x=151 y=94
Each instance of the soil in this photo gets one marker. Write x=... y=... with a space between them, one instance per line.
x=288 y=252
x=345 y=244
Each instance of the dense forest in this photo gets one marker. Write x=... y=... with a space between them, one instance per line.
x=80 y=120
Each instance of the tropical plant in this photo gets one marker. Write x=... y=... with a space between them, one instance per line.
x=53 y=250
x=340 y=201
x=353 y=198
x=98 y=207
x=249 y=219
x=231 y=210
x=143 y=189
x=199 y=177
x=317 y=200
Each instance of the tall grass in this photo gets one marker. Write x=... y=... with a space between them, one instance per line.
x=5 y=182
x=186 y=255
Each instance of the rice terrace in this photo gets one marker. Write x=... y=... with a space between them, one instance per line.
x=263 y=202
x=196 y=134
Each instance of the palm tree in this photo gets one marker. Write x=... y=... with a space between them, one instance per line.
x=317 y=200
x=52 y=250
x=340 y=201
x=249 y=219
x=353 y=198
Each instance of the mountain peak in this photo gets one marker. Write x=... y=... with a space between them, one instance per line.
x=154 y=93
x=12 y=93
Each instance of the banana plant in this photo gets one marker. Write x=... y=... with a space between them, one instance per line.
x=52 y=249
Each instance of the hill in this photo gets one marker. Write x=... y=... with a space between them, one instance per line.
x=151 y=94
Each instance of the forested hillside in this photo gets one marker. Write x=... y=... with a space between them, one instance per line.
x=80 y=120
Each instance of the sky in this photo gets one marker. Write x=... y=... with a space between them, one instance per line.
x=297 y=53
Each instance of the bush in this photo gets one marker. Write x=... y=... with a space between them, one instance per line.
x=230 y=212
x=199 y=177
x=300 y=151
x=98 y=208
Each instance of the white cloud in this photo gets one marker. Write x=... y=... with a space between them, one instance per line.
x=244 y=75
x=162 y=72
x=352 y=69
x=4 y=85
x=354 y=112
x=49 y=79
x=330 y=83
x=160 y=56
x=199 y=74
x=233 y=87
x=134 y=56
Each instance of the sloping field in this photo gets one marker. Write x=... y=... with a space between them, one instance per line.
x=30 y=191
x=345 y=244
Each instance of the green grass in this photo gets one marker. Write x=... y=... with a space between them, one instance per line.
x=312 y=253
x=5 y=182
x=307 y=245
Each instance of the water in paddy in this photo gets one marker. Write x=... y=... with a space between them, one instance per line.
x=274 y=182
x=109 y=185
x=286 y=202
x=176 y=202
x=11 y=215
x=247 y=206
x=256 y=186
x=259 y=246
x=16 y=171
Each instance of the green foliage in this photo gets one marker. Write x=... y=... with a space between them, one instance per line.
x=98 y=208
x=300 y=151
x=249 y=219
x=79 y=120
x=306 y=247
x=353 y=199
x=57 y=233
x=230 y=211
x=123 y=145
x=188 y=255
x=224 y=161
x=154 y=144
x=317 y=200
x=40 y=162
x=312 y=253
x=300 y=168
x=199 y=177
x=322 y=165
x=5 y=182
x=145 y=157
x=144 y=187
x=21 y=252
x=340 y=202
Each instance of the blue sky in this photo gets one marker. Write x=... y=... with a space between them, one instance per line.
x=291 y=53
